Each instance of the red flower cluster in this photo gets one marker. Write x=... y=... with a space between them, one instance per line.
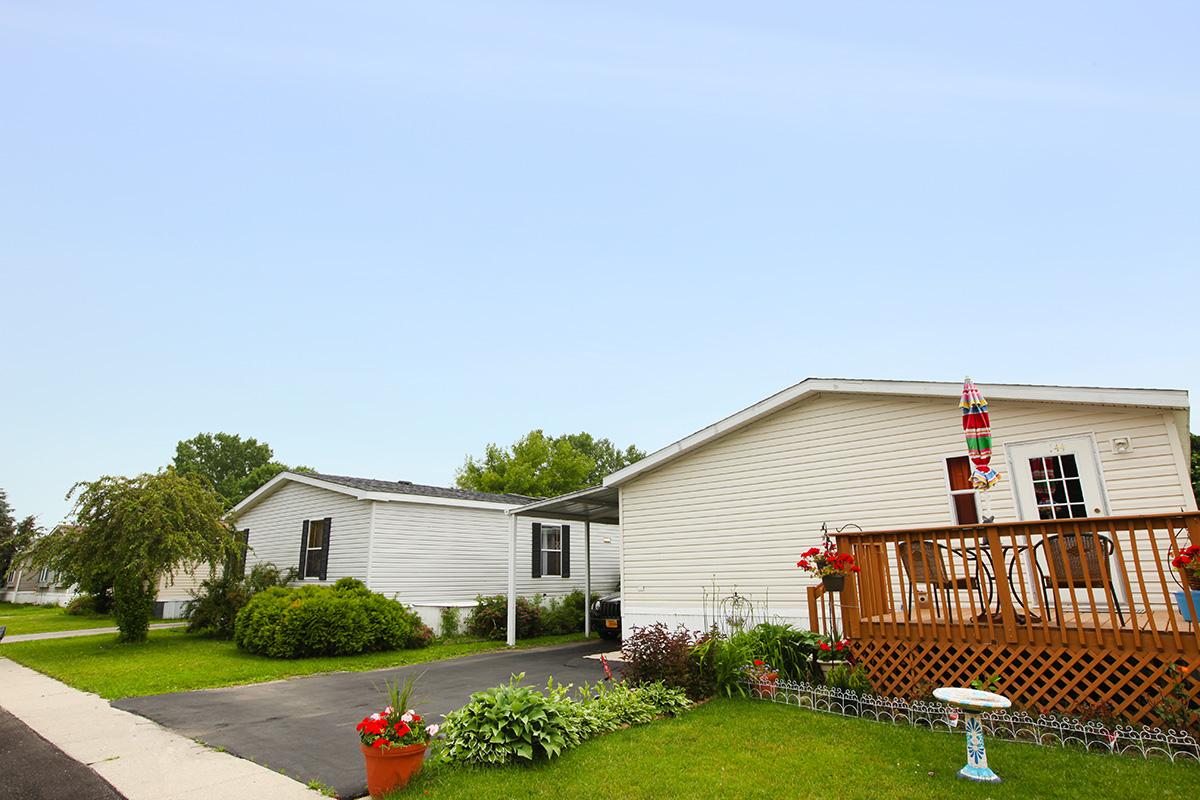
x=826 y=560
x=1188 y=562
x=394 y=728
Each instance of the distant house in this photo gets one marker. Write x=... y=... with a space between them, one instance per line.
x=23 y=584
x=432 y=547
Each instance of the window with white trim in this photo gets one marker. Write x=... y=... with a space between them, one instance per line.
x=962 y=494
x=45 y=577
x=552 y=550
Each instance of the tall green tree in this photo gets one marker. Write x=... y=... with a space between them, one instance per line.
x=14 y=536
x=137 y=531
x=233 y=466
x=1196 y=466
x=538 y=465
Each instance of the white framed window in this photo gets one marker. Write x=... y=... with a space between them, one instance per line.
x=316 y=544
x=552 y=551
x=45 y=577
x=963 y=498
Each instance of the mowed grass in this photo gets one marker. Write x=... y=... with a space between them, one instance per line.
x=175 y=661
x=753 y=750
x=28 y=618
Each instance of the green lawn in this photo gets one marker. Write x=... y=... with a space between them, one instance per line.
x=27 y=618
x=175 y=661
x=753 y=750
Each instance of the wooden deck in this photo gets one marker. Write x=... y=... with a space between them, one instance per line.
x=1067 y=613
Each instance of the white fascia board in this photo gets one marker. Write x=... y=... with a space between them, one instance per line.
x=269 y=488
x=1083 y=395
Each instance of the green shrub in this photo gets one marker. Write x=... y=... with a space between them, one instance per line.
x=344 y=619
x=564 y=614
x=451 y=622
x=789 y=650
x=844 y=677
x=82 y=605
x=489 y=618
x=507 y=724
x=214 y=607
x=515 y=723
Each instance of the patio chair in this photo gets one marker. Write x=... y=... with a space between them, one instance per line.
x=1076 y=561
x=926 y=565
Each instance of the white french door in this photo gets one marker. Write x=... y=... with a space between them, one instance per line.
x=1057 y=479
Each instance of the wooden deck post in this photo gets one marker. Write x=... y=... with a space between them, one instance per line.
x=851 y=608
x=1003 y=591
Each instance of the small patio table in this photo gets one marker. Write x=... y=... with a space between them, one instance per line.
x=974 y=702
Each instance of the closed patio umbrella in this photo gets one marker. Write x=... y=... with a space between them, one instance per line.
x=977 y=426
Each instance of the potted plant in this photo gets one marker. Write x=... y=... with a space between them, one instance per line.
x=1188 y=564
x=833 y=651
x=394 y=741
x=828 y=564
x=764 y=678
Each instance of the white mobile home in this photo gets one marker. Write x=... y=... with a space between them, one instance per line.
x=730 y=508
x=432 y=547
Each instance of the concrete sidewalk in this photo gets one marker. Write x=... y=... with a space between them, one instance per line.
x=141 y=759
x=33 y=637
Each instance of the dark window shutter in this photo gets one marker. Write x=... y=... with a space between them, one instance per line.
x=566 y=551
x=537 y=550
x=303 y=547
x=325 y=552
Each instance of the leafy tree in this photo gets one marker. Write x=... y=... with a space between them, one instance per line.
x=538 y=465
x=14 y=536
x=1196 y=465
x=136 y=532
x=233 y=466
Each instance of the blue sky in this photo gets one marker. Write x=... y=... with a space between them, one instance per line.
x=378 y=235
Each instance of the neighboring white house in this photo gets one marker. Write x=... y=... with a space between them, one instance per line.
x=429 y=546
x=734 y=504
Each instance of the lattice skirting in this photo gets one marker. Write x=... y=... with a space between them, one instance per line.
x=1037 y=678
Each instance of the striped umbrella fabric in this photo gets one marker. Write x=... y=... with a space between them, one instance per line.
x=977 y=426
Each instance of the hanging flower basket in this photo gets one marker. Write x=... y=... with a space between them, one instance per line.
x=826 y=563
x=833 y=583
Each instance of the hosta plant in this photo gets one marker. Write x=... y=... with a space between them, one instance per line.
x=507 y=724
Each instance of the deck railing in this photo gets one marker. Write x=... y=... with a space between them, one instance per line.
x=1102 y=582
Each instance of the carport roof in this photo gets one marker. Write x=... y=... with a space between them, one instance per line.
x=597 y=504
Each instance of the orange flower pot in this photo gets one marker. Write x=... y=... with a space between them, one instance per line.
x=391 y=768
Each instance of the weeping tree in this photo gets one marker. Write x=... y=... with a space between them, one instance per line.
x=134 y=532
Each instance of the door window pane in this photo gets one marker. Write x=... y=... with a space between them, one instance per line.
x=1057 y=487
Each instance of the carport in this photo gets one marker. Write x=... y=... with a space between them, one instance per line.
x=597 y=504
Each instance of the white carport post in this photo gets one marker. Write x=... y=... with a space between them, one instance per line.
x=512 y=579
x=587 y=578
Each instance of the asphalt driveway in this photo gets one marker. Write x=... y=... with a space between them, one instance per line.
x=304 y=727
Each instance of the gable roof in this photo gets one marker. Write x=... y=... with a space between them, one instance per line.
x=388 y=491
x=1166 y=399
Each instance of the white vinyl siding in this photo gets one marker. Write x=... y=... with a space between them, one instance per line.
x=738 y=510
x=429 y=554
x=277 y=522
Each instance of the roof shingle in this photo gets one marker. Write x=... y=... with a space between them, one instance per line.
x=406 y=487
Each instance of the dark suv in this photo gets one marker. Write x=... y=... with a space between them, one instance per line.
x=606 y=616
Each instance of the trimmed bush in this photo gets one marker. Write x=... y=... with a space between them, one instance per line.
x=214 y=608
x=489 y=618
x=345 y=619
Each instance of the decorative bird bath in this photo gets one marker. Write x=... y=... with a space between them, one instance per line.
x=973 y=703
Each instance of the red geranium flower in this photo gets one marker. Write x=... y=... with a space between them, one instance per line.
x=401 y=729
